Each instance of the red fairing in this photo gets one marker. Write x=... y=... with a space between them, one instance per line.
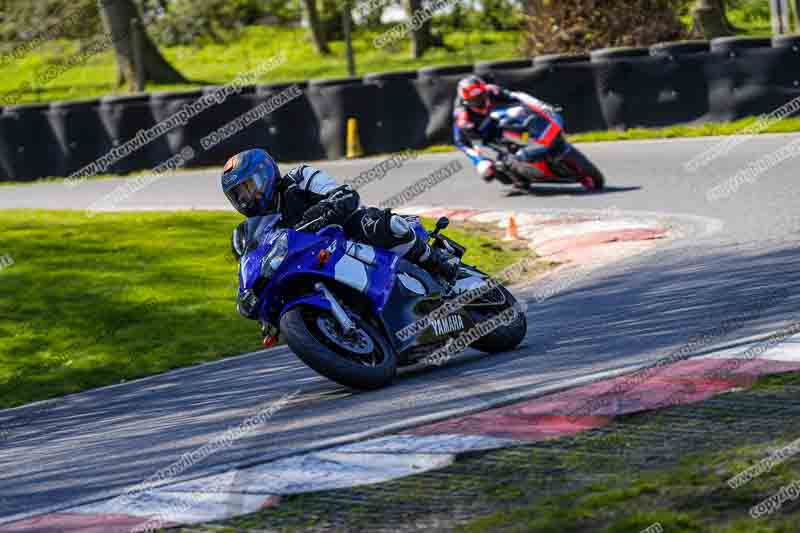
x=552 y=132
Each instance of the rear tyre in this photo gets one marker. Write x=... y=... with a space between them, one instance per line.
x=591 y=177
x=362 y=361
x=504 y=338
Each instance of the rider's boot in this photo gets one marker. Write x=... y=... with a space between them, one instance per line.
x=418 y=251
x=529 y=154
x=519 y=185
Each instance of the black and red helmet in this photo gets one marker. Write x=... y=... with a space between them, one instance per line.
x=474 y=94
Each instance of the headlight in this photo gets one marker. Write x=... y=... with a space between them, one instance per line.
x=271 y=261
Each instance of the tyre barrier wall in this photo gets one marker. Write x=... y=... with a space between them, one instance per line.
x=437 y=88
x=123 y=117
x=28 y=144
x=332 y=102
x=670 y=83
x=292 y=130
x=402 y=119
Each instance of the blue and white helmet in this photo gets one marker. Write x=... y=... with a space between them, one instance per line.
x=248 y=181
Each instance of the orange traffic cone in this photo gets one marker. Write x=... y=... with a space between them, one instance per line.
x=512 y=230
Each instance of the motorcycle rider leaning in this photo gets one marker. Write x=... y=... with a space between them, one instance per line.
x=473 y=122
x=255 y=187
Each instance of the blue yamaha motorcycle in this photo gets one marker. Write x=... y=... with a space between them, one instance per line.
x=339 y=304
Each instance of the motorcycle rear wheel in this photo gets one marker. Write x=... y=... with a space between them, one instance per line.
x=369 y=363
x=505 y=338
x=591 y=177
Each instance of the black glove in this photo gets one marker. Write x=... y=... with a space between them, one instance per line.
x=321 y=215
x=472 y=135
x=342 y=201
x=335 y=208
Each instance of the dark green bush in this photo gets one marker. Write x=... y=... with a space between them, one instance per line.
x=189 y=21
x=752 y=10
x=22 y=20
x=499 y=15
x=565 y=26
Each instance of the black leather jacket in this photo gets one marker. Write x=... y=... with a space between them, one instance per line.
x=302 y=195
x=306 y=193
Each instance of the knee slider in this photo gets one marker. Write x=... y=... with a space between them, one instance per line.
x=485 y=169
x=399 y=227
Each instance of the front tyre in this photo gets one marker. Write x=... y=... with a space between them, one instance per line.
x=363 y=360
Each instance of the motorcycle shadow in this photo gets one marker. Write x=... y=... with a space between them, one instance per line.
x=561 y=190
x=466 y=361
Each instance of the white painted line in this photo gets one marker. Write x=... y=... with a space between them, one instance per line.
x=324 y=471
x=762 y=348
x=787 y=352
x=448 y=444
x=170 y=208
x=180 y=507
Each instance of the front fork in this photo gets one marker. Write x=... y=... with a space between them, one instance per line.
x=270 y=332
x=337 y=310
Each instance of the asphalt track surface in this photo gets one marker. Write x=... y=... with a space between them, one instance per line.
x=733 y=256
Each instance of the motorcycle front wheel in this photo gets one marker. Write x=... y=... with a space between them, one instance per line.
x=361 y=360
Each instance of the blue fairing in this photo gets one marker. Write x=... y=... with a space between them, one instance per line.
x=314 y=300
x=419 y=229
x=370 y=271
x=281 y=268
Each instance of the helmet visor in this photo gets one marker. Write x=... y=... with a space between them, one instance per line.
x=477 y=103
x=244 y=196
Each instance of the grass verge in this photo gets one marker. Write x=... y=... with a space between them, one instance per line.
x=218 y=63
x=692 y=496
x=711 y=129
x=93 y=301
x=211 y=63
x=669 y=467
x=737 y=127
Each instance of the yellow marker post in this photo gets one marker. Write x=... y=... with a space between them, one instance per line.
x=353 y=142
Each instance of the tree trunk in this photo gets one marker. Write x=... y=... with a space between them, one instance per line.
x=796 y=9
x=421 y=38
x=347 y=23
x=720 y=6
x=120 y=18
x=781 y=17
x=316 y=30
x=710 y=20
